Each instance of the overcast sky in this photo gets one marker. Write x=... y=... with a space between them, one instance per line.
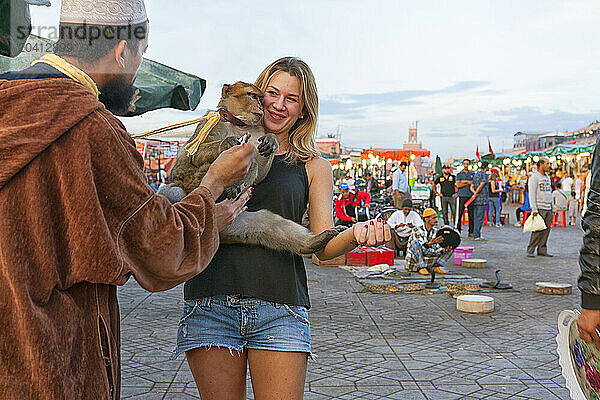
x=466 y=70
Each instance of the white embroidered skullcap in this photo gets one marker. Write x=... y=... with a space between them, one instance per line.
x=103 y=12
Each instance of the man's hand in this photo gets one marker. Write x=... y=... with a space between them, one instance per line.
x=372 y=233
x=454 y=196
x=588 y=322
x=447 y=249
x=229 y=168
x=353 y=220
x=436 y=240
x=228 y=210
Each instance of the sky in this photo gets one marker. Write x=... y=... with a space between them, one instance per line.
x=465 y=70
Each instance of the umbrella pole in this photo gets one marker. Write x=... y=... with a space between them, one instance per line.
x=458 y=213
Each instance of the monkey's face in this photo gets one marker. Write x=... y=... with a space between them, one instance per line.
x=244 y=101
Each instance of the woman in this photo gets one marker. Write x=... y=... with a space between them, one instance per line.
x=525 y=206
x=250 y=304
x=495 y=192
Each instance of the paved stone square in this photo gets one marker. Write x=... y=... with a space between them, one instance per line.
x=393 y=345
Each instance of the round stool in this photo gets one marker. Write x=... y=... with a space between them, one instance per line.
x=475 y=304
x=553 y=288
x=474 y=263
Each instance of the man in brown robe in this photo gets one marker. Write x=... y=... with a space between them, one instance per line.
x=78 y=218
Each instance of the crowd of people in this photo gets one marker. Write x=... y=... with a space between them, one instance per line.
x=469 y=195
x=568 y=195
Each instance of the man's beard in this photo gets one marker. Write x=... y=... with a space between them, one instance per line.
x=116 y=95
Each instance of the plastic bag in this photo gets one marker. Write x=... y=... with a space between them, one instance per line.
x=534 y=224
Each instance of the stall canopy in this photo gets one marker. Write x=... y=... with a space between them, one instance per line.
x=160 y=86
x=561 y=149
x=394 y=154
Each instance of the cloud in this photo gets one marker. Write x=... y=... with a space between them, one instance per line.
x=348 y=104
x=435 y=134
x=533 y=119
x=462 y=87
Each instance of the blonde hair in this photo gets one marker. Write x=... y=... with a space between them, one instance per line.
x=302 y=134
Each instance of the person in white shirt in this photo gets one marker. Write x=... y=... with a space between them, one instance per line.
x=577 y=187
x=572 y=208
x=567 y=183
x=400 y=187
x=560 y=199
x=402 y=223
x=162 y=175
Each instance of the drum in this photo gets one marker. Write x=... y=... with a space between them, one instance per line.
x=451 y=237
x=578 y=360
x=362 y=214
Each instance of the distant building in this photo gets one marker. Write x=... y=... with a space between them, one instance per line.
x=422 y=165
x=329 y=147
x=412 y=143
x=586 y=135
x=521 y=139
x=542 y=141
x=535 y=141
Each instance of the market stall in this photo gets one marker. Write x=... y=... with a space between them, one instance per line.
x=380 y=161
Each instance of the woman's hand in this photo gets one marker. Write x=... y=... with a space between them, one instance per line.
x=228 y=210
x=372 y=233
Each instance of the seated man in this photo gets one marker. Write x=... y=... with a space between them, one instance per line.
x=401 y=223
x=346 y=203
x=424 y=249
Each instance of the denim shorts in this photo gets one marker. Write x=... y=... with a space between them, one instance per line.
x=238 y=323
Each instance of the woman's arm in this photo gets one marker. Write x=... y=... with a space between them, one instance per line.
x=320 y=198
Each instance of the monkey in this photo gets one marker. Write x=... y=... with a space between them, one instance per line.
x=240 y=115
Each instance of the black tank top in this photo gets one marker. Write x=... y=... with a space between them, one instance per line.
x=255 y=271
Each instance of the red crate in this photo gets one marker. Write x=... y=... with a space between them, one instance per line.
x=357 y=256
x=380 y=255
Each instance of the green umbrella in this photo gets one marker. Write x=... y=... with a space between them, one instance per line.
x=15 y=25
x=164 y=87
x=438 y=165
x=160 y=86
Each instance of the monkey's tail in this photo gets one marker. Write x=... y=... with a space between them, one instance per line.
x=274 y=232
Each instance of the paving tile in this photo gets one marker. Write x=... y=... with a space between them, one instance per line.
x=391 y=346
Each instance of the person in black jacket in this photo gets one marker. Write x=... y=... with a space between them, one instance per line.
x=372 y=186
x=589 y=259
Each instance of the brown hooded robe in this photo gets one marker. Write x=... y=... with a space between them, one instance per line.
x=77 y=218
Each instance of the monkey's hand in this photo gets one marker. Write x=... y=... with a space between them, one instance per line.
x=233 y=191
x=268 y=145
x=228 y=143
